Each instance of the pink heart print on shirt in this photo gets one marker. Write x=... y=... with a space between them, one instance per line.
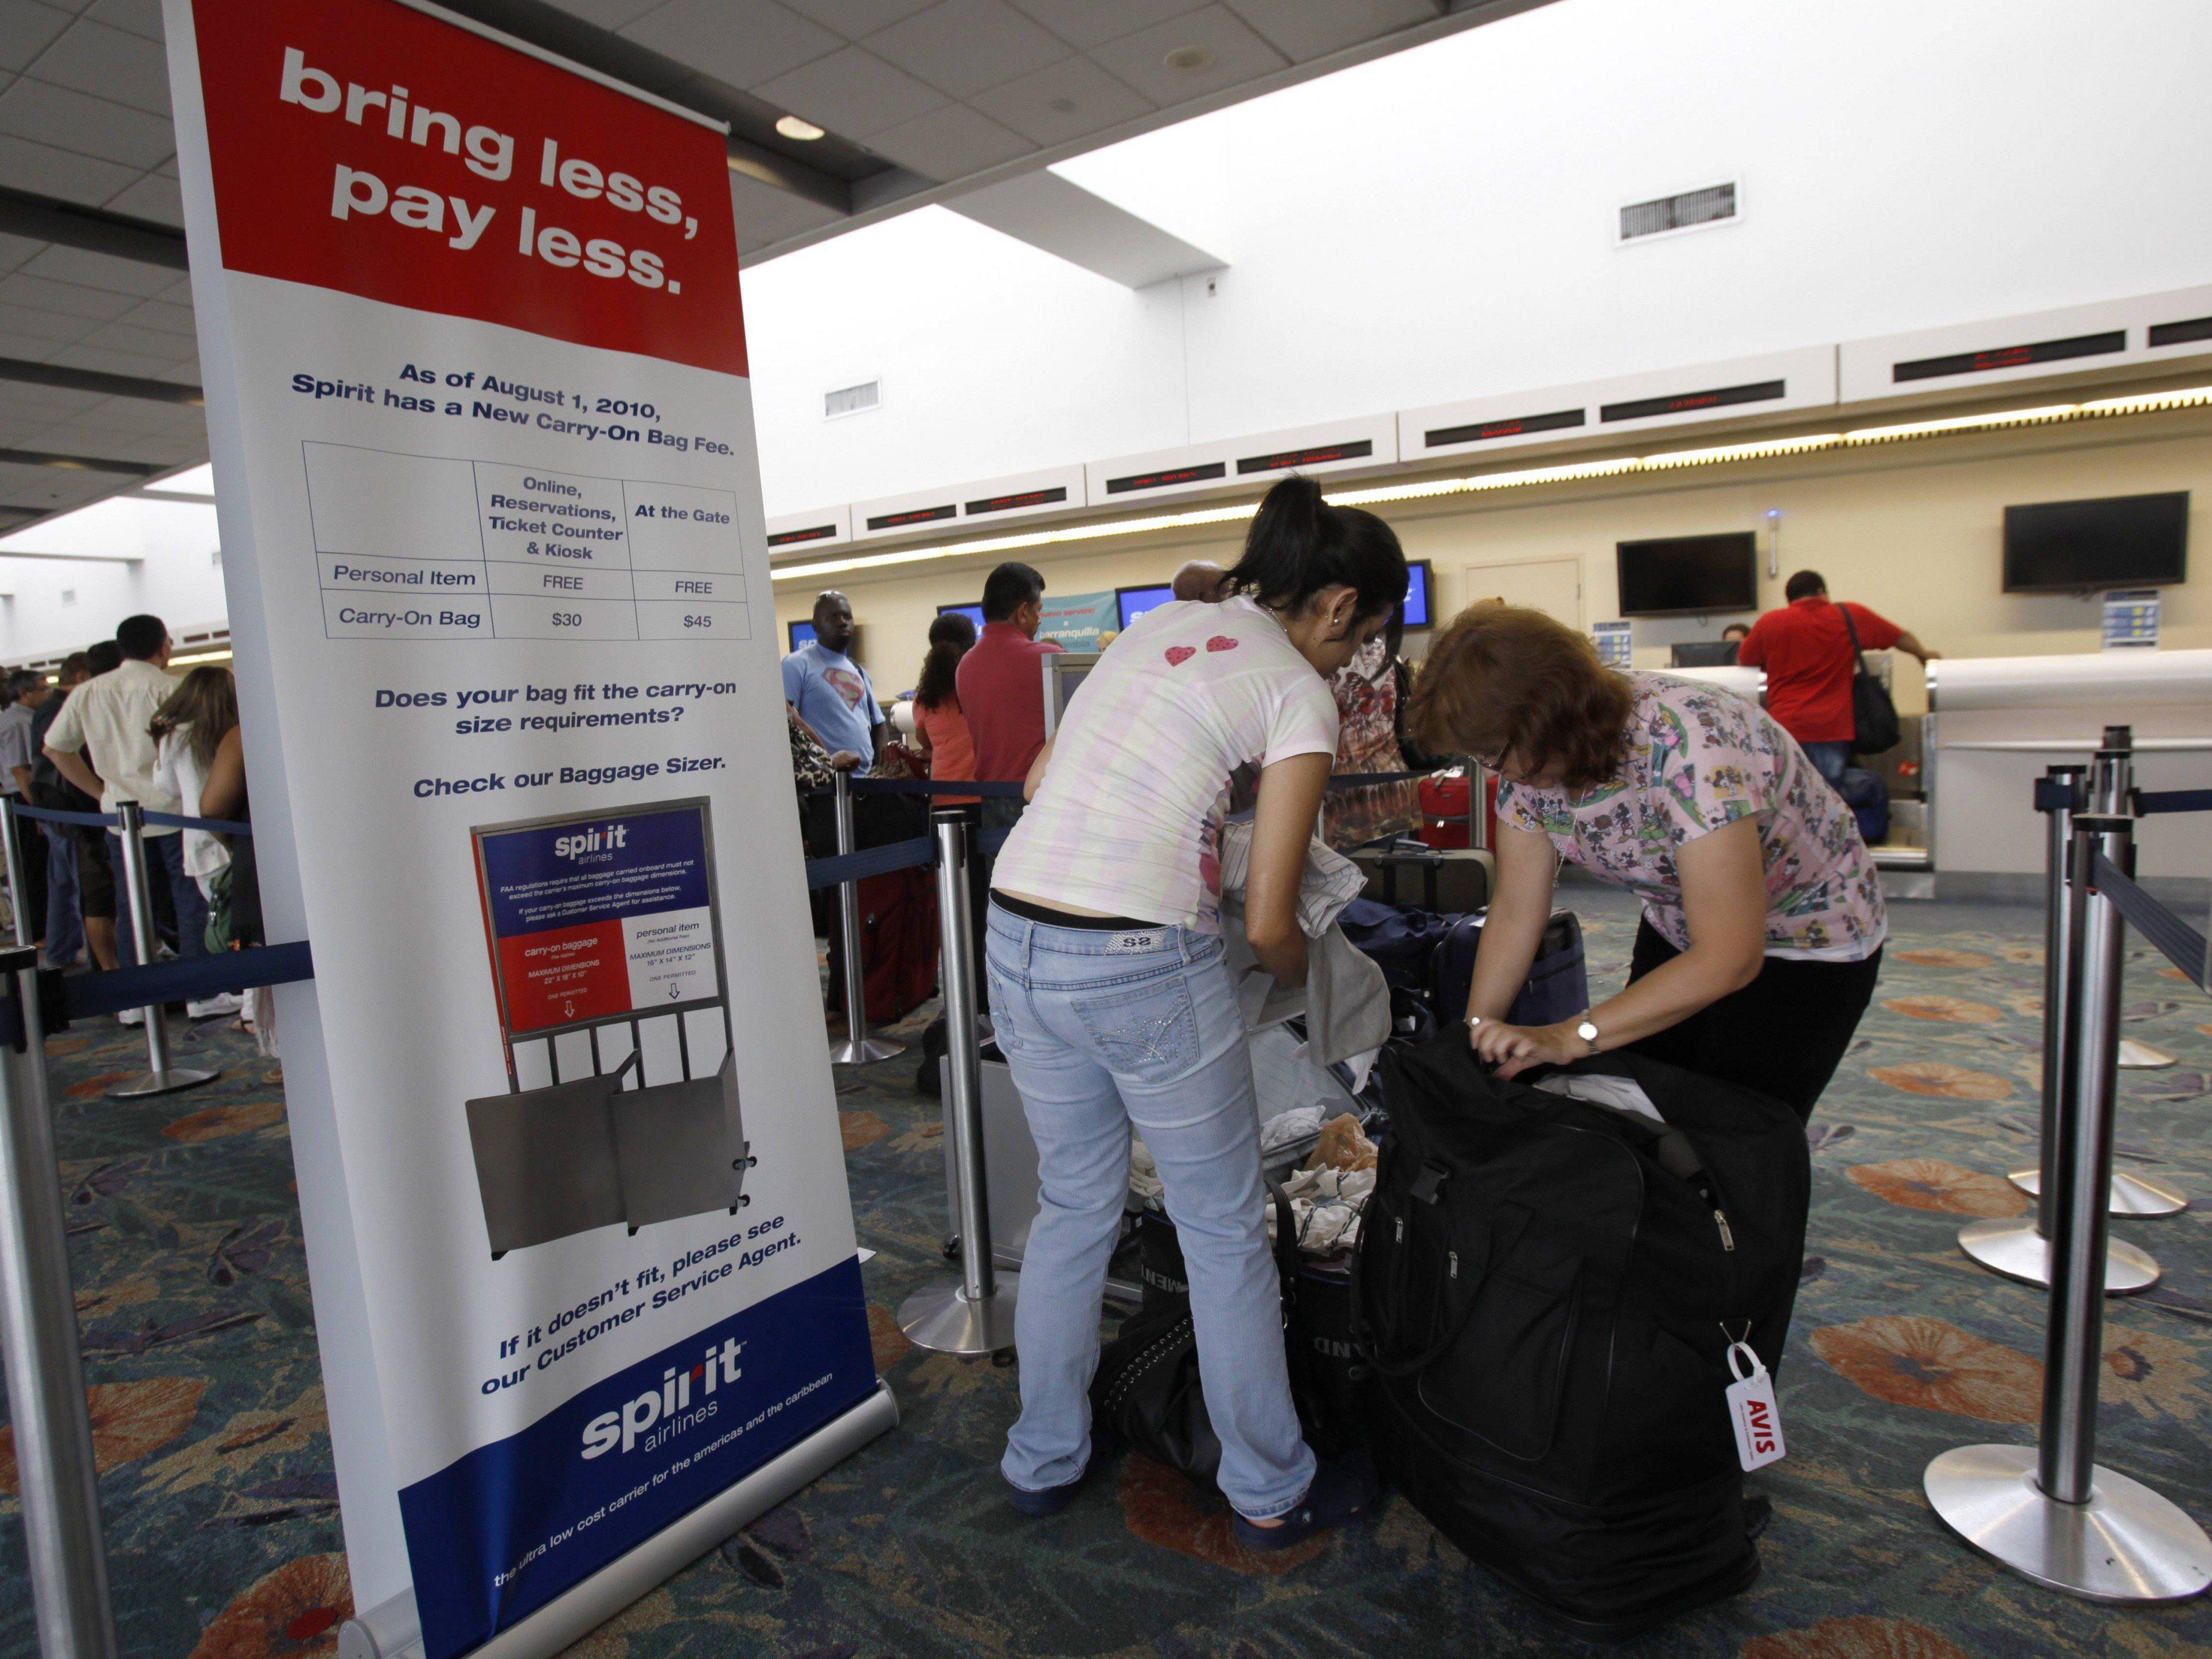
x=1178 y=655
x=1221 y=642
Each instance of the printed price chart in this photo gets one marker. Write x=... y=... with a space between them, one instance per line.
x=420 y=547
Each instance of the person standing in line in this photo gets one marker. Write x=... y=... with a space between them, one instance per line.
x=1735 y=634
x=26 y=692
x=1201 y=580
x=186 y=731
x=1806 y=649
x=111 y=718
x=64 y=920
x=831 y=692
x=1763 y=921
x=95 y=876
x=939 y=726
x=1112 y=1002
x=1001 y=685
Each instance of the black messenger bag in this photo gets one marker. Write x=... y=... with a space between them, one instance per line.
x=1546 y=1289
x=1874 y=726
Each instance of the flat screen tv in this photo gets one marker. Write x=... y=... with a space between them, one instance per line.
x=1415 y=612
x=1133 y=602
x=1689 y=575
x=973 y=612
x=2113 y=541
x=802 y=633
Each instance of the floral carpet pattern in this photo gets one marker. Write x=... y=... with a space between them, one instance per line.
x=222 y=1512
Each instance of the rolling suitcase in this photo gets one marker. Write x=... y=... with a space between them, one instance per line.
x=1559 y=981
x=1547 y=1290
x=898 y=942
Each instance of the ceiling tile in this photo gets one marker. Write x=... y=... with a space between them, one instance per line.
x=160 y=313
x=607 y=13
x=1091 y=23
x=14 y=250
x=1237 y=55
x=1304 y=30
x=127 y=69
x=1072 y=99
x=766 y=214
x=50 y=325
x=852 y=92
x=77 y=264
x=69 y=299
x=111 y=362
x=154 y=197
x=945 y=144
x=45 y=171
x=90 y=126
x=961 y=47
x=744 y=42
x=74 y=440
x=138 y=17
x=145 y=341
x=43 y=405
x=26 y=30
x=854 y=18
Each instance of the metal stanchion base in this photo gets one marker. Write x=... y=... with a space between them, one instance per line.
x=942 y=1319
x=865 y=1052
x=2126 y=1544
x=161 y=1083
x=2012 y=1249
x=2141 y=1057
x=2132 y=1195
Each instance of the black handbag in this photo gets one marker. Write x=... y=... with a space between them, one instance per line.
x=1147 y=1391
x=1874 y=726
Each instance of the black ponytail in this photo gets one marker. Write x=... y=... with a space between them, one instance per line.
x=1299 y=544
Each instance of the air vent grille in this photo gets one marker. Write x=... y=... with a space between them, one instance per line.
x=1690 y=209
x=852 y=399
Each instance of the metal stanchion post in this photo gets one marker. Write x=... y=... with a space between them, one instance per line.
x=159 y=1078
x=11 y=848
x=977 y=1316
x=2018 y=1247
x=858 y=1049
x=2050 y=1513
x=55 y=1470
x=2111 y=788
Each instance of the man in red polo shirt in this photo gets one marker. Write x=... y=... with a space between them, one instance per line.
x=1806 y=649
x=1000 y=684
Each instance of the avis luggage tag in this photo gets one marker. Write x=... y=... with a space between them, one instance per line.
x=1752 y=1411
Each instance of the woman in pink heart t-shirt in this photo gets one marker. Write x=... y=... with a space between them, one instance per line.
x=1113 y=1004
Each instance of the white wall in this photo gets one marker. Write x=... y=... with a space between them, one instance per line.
x=61 y=606
x=1437 y=225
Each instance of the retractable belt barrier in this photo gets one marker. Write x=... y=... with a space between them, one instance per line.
x=99 y=820
x=2172 y=800
x=2180 y=943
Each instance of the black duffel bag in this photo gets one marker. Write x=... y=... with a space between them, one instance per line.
x=1547 y=1290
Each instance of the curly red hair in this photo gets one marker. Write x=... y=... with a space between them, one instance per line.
x=1503 y=678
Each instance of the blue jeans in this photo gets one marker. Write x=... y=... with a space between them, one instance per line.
x=165 y=860
x=1829 y=760
x=1103 y=1031
x=64 y=921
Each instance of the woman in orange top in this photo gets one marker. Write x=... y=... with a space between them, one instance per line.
x=939 y=726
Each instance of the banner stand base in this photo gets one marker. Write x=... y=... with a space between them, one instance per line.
x=389 y=1632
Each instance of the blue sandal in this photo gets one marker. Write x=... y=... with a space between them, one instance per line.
x=1040 y=1506
x=1343 y=1489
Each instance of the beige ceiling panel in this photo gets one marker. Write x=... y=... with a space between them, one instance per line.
x=1223 y=53
x=608 y=14
x=855 y=19
x=962 y=47
x=1072 y=99
x=45 y=171
x=117 y=363
x=853 y=93
x=765 y=214
x=1304 y=29
x=744 y=42
x=145 y=341
x=89 y=126
x=27 y=29
x=946 y=143
x=77 y=264
x=156 y=197
x=1093 y=22
x=25 y=323
x=166 y=315
x=70 y=299
x=142 y=17
x=108 y=63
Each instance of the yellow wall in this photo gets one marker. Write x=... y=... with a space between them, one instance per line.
x=1914 y=530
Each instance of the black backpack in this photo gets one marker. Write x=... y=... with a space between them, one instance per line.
x=1546 y=1289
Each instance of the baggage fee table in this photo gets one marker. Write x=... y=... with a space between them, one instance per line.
x=430 y=547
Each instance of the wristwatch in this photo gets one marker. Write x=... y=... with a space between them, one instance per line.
x=1588 y=1032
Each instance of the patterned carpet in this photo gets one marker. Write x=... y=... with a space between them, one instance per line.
x=223 y=1532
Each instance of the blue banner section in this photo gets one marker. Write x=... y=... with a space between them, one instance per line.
x=498 y=1535
x=597 y=869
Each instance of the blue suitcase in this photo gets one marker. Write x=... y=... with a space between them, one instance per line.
x=1558 y=982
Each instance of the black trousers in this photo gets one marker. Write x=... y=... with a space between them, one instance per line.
x=1784 y=1034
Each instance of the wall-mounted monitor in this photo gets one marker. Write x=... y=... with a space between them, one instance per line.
x=2113 y=541
x=1133 y=602
x=802 y=633
x=973 y=612
x=1416 y=612
x=1689 y=575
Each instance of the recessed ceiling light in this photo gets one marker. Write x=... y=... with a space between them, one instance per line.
x=1190 y=59
x=791 y=127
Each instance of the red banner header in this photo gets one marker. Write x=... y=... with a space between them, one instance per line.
x=364 y=146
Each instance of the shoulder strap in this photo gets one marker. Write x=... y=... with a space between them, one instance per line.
x=1858 y=656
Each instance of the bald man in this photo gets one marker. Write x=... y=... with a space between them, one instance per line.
x=1201 y=580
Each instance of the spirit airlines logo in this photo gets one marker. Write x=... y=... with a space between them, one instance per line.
x=658 y=1415
x=608 y=840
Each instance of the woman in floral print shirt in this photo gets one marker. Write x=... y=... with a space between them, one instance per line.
x=1762 y=915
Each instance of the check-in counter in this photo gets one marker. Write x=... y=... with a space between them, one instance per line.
x=1996 y=723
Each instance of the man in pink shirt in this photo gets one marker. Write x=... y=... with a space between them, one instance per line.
x=1001 y=683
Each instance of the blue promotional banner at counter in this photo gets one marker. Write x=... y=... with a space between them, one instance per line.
x=1075 y=621
x=571 y=1184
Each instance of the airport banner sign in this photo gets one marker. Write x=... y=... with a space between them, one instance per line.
x=476 y=369
x=1074 y=620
